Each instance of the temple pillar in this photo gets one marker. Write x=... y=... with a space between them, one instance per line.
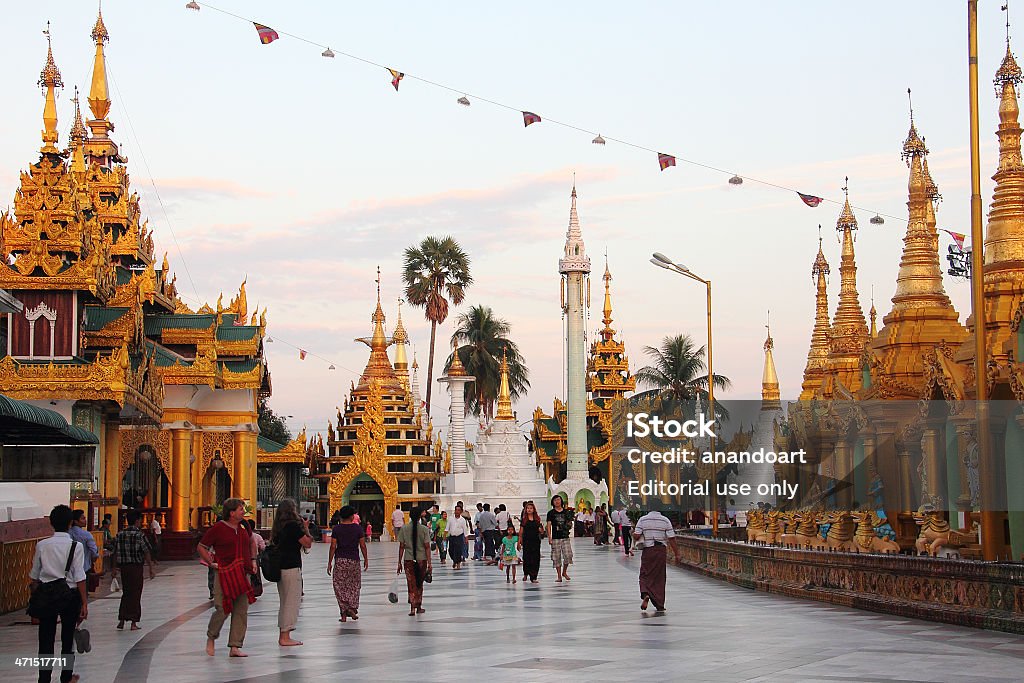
x=843 y=460
x=906 y=485
x=196 y=497
x=279 y=481
x=964 y=503
x=243 y=476
x=179 y=540
x=180 y=479
x=112 y=468
x=870 y=466
x=932 y=449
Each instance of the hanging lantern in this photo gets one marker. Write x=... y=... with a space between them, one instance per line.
x=736 y=180
x=270 y=340
x=145 y=455
x=332 y=367
x=329 y=53
x=217 y=463
x=192 y=5
x=598 y=140
x=464 y=101
x=877 y=220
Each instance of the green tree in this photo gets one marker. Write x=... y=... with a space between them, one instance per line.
x=434 y=269
x=271 y=424
x=486 y=337
x=678 y=375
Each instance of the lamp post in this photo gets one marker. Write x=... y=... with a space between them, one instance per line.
x=665 y=262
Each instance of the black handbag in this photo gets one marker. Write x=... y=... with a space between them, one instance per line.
x=269 y=563
x=50 y=598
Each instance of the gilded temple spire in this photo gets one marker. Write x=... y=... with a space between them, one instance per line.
x=379 y=365
x=919 y=282
x=400 y=338
x=770 y=378
x=817 y=355
x=607 y=333
x=504 y=395
x=1004 y=243
x=849 y=329
x=873 y=315
x=50 y=81
x=77 y=138
x=99 y=98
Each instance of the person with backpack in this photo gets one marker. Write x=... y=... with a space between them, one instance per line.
x=347 y=542
x=58 y=591
x=290 y=536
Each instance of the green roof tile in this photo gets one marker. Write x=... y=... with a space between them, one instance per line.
x=232 y=333
x=156 y=323
x=98 y=317
x=268 y=445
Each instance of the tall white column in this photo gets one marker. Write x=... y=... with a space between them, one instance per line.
x=576 y=401
x=457 y=379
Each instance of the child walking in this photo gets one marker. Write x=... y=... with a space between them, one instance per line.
x=509 y=556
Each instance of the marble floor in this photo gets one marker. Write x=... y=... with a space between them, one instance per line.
x=477 y=627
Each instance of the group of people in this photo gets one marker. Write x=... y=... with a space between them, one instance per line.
x=231 y=548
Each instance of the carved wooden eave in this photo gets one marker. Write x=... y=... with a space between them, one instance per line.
x=945 y=377
x=251 y=379
x=191 y=336
x=125 y=330
x=247 y=348
x=293 y=452
x=108 y=378
x=202 y=371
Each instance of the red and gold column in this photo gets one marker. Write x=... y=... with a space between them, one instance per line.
x=181 y=479
x=243 y=476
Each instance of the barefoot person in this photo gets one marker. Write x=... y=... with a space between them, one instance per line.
x=655 y=531
x=131 y=550
x=232 y=591
x=414 y=560
x=458 y=532
x=559 y=525
x=347 y=541
x=291 y=535
x=531 y=530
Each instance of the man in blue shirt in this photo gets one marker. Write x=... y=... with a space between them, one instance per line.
x=80 y=533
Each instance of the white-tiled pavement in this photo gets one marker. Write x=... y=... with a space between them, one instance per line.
x=477 y=627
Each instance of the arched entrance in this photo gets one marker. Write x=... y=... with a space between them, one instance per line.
x=343 y=486
x=367 y=497
x=144 y=484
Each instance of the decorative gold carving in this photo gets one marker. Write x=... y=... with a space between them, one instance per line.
x=214 y=442
x=133 y=439
x=293 y=452
x=15 y=564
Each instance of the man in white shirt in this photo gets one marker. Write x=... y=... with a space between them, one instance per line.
x=397 y=519
x=478 y=537
x=503 y=517
x=458 y=532
x=655 y=531
x=48 y=564
x=625 y=525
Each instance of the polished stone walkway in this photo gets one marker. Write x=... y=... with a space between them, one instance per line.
x=477 y=627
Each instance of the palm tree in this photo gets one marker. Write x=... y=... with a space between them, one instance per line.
x=486 y=338
x=678 y=374
x=435 y=269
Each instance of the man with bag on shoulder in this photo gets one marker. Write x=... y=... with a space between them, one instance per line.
x=233 y=560
x=654 y=533
x=58 y=591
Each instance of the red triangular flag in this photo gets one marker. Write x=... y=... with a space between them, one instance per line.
x=529 y=117
x=958 y=238
x=267 y=34
x=666 y=160
x=302 y=354
x=809 y=199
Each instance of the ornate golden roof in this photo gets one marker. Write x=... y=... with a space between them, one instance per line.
x=378 y=366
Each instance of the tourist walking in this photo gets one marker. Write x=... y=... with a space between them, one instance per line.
x=600 y=526
x=414 y=560
x=57 y=558
x=655 y=533
x=559 y=526
x=79 y=532
x=626 y=525
x=233 y=548
x=397 y=520
x=531 y=530
x=347 y=542
x=458 y=532
x=441 y=536
x=487 y=524
x=478 y=537
x=131 y=551
x=509 y=552
x=291 y=536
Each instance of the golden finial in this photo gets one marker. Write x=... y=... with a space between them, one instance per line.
x=769 y=378
x=873 y=313
x=913 y=145
x=1008 y=71
x=99 y=99
x=607 y=333
x=77 y=139
x=504 y=395
x=846 y=218
x=820 y=266
x=931 y=190
x=456 y=369
x=50 y=80
x=768 y=343
x=400 y=336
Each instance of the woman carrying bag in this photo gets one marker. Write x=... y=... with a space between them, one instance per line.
x=414 y=560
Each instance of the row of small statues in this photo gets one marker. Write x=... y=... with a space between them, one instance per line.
x=850 y=531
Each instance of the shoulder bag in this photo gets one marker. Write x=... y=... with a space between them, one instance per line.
x=48 y=599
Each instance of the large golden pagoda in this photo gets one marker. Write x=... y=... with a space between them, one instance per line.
x=379 y=454
x=105 y=339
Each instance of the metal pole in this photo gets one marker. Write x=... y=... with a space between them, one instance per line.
x=991 y=520
x=711 y=409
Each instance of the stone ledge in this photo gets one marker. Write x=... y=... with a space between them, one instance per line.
x=976 y=594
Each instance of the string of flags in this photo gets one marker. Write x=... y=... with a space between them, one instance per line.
x=268 y=35
x=957 y=237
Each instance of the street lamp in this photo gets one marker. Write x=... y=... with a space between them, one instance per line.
x=665 y=262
